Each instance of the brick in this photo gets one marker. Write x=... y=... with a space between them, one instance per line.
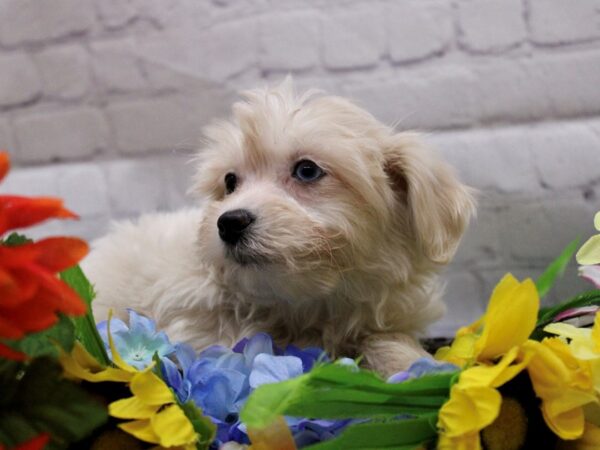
x=465 y=301
x=64 y=71
x=116 y=13
x=174 y=122
x=566 y=155
x=559 y=22
x=41 y=20
x=353 y=38
x=418 y=29
x=491 y=25
x=538 y=229
x=481 y=245
x=491 y=160
x=200 y=53
x=19 y=80
x=424 y=99
x=60 y=135
x=136 y=187
x=289 y=41
x=83 y=188
x=552 y=86
x=116 y=66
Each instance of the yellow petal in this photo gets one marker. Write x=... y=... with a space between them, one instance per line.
x=466 y=442
x=460 y=352
x=141 y=429
x=567 y=330
x=131 y=408
x=151 y=389
x=568 y=425
x=493 y=375
x=276 y=436
x=173 y=427
x=596 y=331
x=469 y=410
x=510 y=317
x=589 y=253
x=81 y=365
x=116 y=357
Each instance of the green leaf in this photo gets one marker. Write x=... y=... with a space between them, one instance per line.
x=556 y=268
x=47 y=342
x=333 y=391
x=586 y=299
x=15 y=239
x=41 y=400
x=399 y=434
x=85 y=326
x=205 y=428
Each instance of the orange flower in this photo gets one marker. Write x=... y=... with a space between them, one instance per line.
x=31 y=295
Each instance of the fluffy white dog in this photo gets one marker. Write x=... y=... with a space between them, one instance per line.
x=319 y=225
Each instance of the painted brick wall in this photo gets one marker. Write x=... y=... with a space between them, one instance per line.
x=101 y=102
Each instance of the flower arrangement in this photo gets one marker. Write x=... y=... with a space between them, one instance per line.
x=520 y=377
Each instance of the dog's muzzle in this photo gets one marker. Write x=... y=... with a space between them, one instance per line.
x=233 y=225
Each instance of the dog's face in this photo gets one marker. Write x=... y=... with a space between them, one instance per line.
x=305 y=195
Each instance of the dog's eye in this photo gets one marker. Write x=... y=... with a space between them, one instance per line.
x=230 y=182
x=307 y=171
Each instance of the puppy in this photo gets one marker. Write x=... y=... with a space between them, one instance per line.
x=319 y=225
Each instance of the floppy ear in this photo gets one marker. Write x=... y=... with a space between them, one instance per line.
x=439 y=206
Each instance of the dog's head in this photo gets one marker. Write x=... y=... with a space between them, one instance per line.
x=305 y=195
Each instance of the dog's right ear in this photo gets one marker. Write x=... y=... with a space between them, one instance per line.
x=440 y=207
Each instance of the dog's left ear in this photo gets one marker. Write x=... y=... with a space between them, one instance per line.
x=439 y=206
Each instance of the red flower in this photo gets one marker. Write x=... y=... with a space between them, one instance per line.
x=37 y=443
x=31 y=294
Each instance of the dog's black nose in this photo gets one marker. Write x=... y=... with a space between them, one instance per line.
x=233 y=224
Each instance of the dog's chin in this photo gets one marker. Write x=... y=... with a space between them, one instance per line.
x=244 y=256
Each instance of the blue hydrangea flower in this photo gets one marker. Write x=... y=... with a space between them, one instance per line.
x=220 y=380
x=138 y=342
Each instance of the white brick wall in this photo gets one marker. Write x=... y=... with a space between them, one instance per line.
x=102 y=101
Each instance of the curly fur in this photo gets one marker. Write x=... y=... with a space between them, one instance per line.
x=349 y=262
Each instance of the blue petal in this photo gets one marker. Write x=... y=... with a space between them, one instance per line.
x=240 y=346
x=399 y=377
x=185 y=355
x=271 y=369
x=139 y=324
x=213 y=352
x=424 y=366
x=116 y=325
x=218 y=396
x=259 y=343
x=349 y=363
x=233 y=361
x=308 y=355
x=171 y=374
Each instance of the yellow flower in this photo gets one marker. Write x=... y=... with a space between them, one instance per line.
x=475 y=403
x=563 y=383
x=508 y=321
x=589 y=441
x=584 y=344
x=589 y=253
x=158 y=419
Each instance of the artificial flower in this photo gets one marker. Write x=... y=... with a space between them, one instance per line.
x=475 y=403
x=20 y=212
x=137 y=343
x=421 y=367
x=157 y=417
x=220 y=380
x=508 y=321
x=563 y=382
x=589 y=253
x=32 y=295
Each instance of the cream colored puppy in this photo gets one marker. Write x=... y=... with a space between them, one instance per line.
x=320 y=226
